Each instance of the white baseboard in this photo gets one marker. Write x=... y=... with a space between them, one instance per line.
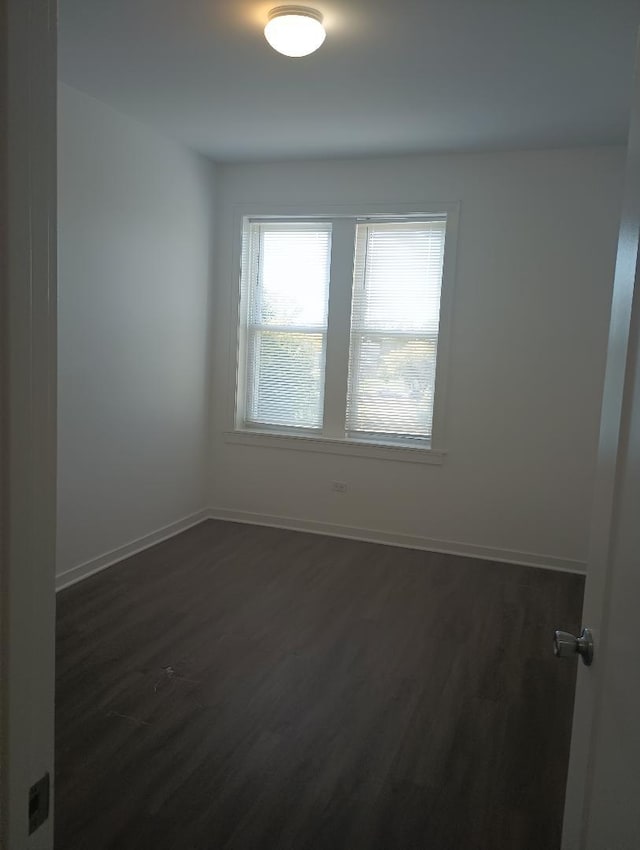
x=95 y=565
x=447 y=547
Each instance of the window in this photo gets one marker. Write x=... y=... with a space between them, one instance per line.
x=287 y=327
x=394 y=329
x=340 y=330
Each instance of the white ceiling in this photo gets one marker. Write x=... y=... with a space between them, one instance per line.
x=393 y=76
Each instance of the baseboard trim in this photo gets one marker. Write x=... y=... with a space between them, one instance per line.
x=368 y=535
x=95 y=565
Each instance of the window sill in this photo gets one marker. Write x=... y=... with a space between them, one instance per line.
x=353 y=448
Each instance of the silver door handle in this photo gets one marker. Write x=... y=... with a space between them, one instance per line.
x=565 y=644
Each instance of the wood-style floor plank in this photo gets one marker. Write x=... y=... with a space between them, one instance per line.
x=247 y=688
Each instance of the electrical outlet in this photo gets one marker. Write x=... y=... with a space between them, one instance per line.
x=339 y=486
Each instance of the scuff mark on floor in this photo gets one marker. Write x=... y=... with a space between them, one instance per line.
x=169 y=672
x=128 y=717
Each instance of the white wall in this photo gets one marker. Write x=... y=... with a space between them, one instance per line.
x=534 y=277
x=135 y=226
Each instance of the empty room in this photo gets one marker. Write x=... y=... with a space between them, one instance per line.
x=334 y=322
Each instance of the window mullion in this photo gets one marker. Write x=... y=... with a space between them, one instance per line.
x=339 y=327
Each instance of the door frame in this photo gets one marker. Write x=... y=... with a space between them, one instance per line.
x=28 y=31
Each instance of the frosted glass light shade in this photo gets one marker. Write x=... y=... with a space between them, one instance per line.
x=294 y=30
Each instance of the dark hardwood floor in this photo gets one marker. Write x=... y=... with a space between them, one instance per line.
x=240 y=687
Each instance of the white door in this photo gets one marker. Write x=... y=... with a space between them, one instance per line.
x=602 y=810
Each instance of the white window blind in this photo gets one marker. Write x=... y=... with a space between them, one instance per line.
x=394 y=329
x=288 y=289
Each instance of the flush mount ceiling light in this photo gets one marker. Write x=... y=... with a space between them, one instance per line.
x=294 y=30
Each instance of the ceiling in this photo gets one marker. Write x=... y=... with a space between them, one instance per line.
x=393 y=76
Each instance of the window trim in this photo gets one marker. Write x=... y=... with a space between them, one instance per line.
x=405 y=450
x=299 y=441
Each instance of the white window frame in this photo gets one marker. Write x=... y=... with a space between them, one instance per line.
x=333 y=438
